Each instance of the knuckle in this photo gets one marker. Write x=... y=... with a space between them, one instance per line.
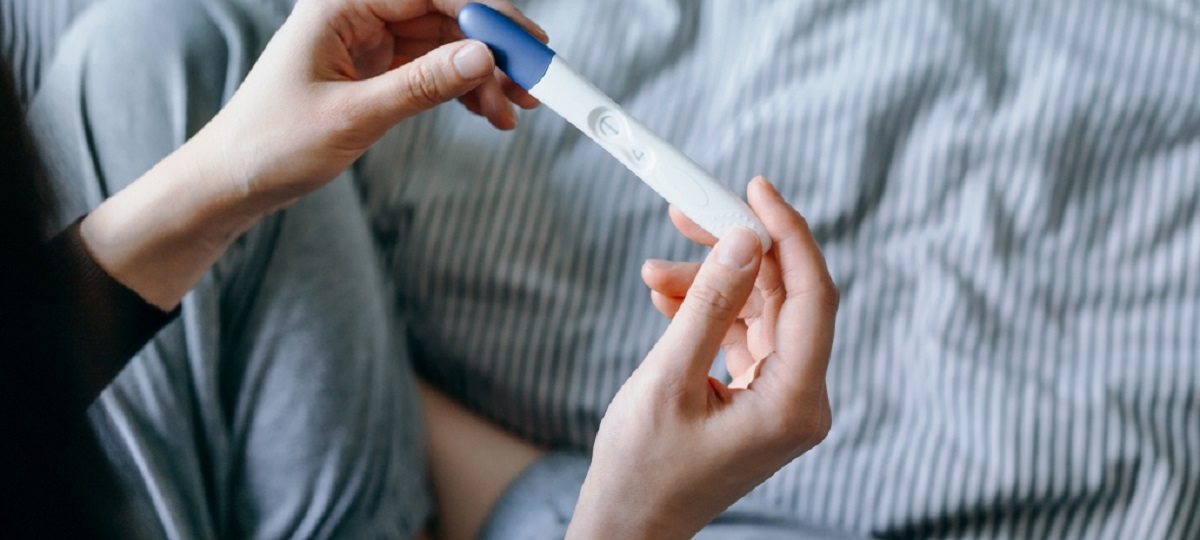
x=823 y=291
x=424 y=87
x=828 y=295
x=774 y=293
x=797 y=220
x=713 y=301
x=798 y=431
x=782 y=434
x=822 y=423
x=816 y=426
x=794 y=220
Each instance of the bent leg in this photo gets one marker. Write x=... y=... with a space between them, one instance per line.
x=278 y=405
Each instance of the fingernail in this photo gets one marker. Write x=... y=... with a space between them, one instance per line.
x=473 y=61
x=738 y=248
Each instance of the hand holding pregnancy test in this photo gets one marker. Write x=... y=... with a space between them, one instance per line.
x=547 y=77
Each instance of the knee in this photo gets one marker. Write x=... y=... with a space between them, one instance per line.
x=128 y=37
x=139 y=55
x=134 y=79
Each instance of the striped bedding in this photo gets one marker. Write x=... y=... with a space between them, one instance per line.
x=1008 y=195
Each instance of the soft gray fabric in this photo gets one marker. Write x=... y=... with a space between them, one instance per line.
x=538 y=505
x=30 y=31
x=1006 y=192
x=1008 y=195
x=29 y=35
x=277 y=405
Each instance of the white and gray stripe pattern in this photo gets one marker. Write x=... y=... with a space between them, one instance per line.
x=1007 y=192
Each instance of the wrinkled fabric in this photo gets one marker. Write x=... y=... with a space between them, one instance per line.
x=278 y=404
x=1006 y=193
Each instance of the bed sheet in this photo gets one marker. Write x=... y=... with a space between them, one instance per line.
x=1006 y=192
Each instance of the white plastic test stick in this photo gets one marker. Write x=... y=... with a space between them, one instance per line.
x=547 y=77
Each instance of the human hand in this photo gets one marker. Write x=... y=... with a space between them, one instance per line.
x=340 y=73
x=676 y=447
x=334 y=78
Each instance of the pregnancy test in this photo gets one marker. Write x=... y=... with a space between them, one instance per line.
x=547 y=77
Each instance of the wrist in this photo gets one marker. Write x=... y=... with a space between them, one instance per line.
x=231 y=170
x=160 y=234
x=608 y=514
x=213 y=201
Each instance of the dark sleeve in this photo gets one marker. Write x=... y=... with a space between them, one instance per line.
x=106 y=322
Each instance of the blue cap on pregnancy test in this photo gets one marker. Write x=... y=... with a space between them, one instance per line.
x=517 y=52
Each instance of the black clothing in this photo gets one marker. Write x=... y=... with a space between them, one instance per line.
x=66 y=329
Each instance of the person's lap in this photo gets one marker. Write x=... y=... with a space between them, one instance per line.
x=265 y=410
x=278 y=404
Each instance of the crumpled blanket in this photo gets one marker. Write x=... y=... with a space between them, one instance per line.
x=1007 y=193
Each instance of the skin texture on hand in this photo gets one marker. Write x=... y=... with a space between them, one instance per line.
x=334 y=78
x=339 y=74
x=676 y=447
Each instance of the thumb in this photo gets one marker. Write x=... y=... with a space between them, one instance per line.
x=712 y=304
x=436 y=77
